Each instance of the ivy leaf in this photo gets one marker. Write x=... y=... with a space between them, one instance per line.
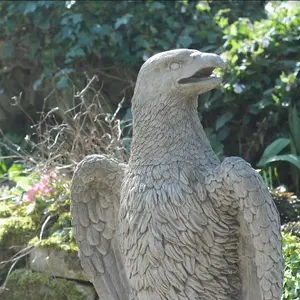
x=185 y=41
x=225 y=118
x=37 y=83
x=75 y=51
x=30 y=7
x=157 y=5
x=7 y=50
x=123 y=21
x=74 y=18
x=62 y=83
x=77 y=18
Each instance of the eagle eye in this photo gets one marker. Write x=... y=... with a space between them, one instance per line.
x=174 y=66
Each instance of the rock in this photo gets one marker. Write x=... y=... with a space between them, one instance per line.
x=56 y=263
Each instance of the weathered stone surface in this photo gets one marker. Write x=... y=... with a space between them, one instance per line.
x=56 y=263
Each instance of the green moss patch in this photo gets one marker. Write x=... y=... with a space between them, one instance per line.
x=60 y=235
x=28 y=285
x=16 y=231
x=5 y=211
x=55 y=242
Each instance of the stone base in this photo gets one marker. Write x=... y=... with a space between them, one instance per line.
x=56 y=263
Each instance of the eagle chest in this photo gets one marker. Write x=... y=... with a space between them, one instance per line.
x=170 y=231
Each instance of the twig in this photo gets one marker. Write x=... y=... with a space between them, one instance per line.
x=82 y=93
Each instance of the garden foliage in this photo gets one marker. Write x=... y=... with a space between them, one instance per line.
x=56 y=46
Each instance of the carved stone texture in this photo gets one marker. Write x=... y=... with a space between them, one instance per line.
x=56 y=263
x=182 y=225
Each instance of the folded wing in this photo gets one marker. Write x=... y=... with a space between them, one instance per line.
x=95 y=200
x=260 y=254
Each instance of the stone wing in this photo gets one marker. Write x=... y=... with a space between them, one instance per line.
x=260 y=254
x=95 y=200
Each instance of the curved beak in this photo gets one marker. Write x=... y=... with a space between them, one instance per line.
x=205 y=60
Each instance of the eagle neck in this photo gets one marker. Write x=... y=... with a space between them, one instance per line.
x=167 y=130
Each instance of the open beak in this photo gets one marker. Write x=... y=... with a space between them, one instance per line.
x=205 y=63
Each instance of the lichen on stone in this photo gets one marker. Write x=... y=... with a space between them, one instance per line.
x=37 y=286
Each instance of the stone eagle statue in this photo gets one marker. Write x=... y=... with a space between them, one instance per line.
x=175 y=223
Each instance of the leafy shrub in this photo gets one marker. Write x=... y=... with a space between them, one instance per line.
x=272 y=152
x=261 y=80
x=291 y=251
x=287 y=204
x=50 y=44
x=292 y=228
x=60 y=43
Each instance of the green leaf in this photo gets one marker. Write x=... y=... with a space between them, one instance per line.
x=3 y=168
x=77 y=18
x=37 y=83
x=157 y=5
x=294 y=125
x=7 y=50
x=30 y=7
x=185 y=41
x=273 y=149
x=25 y=183
x=203 y=6
x=291 y=158
x=221 y=121
x=123 y=21
x=62 y=83
x=14 y=171
x=223 y=133
x=75 y=51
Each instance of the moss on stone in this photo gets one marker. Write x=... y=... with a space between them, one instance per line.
x=5 y=211
x=16 y=231
x=55 y=242
x=28 y=285
x=60 y=235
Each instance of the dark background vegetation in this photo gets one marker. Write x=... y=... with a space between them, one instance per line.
x=50 y=48
x=68 y=70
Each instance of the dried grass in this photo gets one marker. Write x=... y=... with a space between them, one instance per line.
x=85 y=129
